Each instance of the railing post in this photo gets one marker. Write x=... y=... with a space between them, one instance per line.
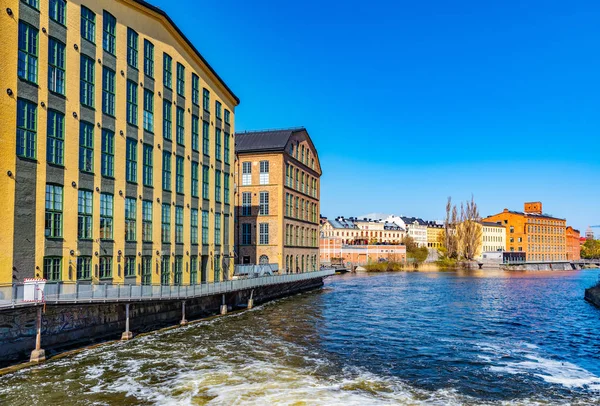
x=38 y=355
x=127 y=335
x=15 y=293
x=183 y=320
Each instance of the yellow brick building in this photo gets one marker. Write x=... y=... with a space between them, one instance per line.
x=435 y=235
x=277 y=199
x=117 y=147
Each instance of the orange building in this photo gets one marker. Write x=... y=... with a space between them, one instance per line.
x=573 y=244
x=332 y=248
x=542 y=237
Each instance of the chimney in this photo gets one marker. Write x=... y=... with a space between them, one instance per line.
x=533 y=208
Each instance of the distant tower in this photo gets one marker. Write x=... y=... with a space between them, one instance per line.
x=589 y=234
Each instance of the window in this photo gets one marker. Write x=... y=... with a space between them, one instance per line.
x=132 y=102
x=56 y=138
x=109 y=37
x=217 y=268
x=195 y=89
x=105 y=267
x=148 y=110
x=264 y=233
x=193 y=270
x=165 y=229
x=147 y=221
x=180 y=116
x=166 y=170
x=218 y=186
x=131 y=161
x=246 y=173
x=84 y=266
x=246 y=234
x=54 y=208
x=264 y=172
x=195 y=170
x=52 y=268
x=147 y=175
x=179 y=224
x=217 y=228
x=178 y=271
x=167 y=120
x=218 y=144
x=227 y=117
x=28 y=52
x=88 y=24
x=26 y=129
x=205 y=99
x=106 y=216
x=180 y=80
x=226 y=187
x=57 y=10
x=205 y=138
x=195 y=133
x=194 y=226
x=167 y=71
x=108 y=91
x=205 y=182
x=264 y=204
x=218 y=109
x=86 y=147
x=130 y=266
x=132 y=48
x=227 y=152
x=165 y=271
x=246 y=204
x=148 y=58
x=130 y=218
x=179 y=187
x=84 y=218
x=108 y=153
x=204 y=227
x=87 y=81
x=56 y=66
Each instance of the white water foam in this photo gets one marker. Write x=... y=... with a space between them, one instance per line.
x=528 y=360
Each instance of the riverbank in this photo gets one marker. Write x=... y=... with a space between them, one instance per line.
x=68 y=326
x=592 y=295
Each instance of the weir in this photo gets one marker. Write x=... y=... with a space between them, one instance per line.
x=78 y=317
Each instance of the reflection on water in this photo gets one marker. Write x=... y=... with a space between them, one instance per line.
x=406 y=338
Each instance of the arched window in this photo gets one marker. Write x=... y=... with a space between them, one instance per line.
x=264 y=260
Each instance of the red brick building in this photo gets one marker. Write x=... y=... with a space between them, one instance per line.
x=573 y=244
x=333 y=248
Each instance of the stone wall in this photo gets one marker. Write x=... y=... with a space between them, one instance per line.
x=67 y=326
x=549 y=266
x=592 y=295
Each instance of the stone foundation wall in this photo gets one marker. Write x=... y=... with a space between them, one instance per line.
x=67 y=326
x=592 y=295
x=549 y=266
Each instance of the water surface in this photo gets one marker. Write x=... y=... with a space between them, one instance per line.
x=405 y=338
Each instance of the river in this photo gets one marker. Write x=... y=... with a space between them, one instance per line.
x=443 y=338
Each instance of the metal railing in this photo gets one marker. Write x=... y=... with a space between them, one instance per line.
x=60 y=292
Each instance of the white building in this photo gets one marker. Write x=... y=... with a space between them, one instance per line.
x=415 y=228
x=493 y=237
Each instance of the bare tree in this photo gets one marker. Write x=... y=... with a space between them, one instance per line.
x=470 y=229
x=450 y=238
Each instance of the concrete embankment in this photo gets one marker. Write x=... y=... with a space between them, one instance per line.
x=592 y=295
x=68 y=326
x=540 y=266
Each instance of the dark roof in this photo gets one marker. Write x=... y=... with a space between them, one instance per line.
x=412 y=220
x=266 y=140
x=490 y=224
x=165 y=15
x=547 y=216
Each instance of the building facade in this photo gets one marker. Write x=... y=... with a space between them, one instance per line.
x=118 y=151
x=277 y=199
x=573 y=244
x=435 y=234
x=540 y=236
x=365 y=231
x=332 y=250
x=493 y=237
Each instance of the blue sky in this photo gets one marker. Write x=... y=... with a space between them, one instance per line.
x=411 y=102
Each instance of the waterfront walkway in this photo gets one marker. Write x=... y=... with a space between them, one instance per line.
x=17 y=295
